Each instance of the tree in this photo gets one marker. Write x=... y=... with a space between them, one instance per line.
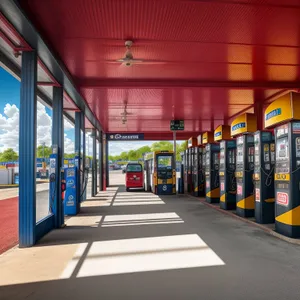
x=69 y=155
x=132 y=155
x=160 y=146
x=180 y=148
x=141 y=151
x=124 y=156
x=8 y=155
x=43 y=151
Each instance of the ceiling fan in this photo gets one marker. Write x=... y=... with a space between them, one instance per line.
x=128 y=59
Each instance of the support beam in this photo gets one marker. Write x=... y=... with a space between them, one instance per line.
x=78 y=150
x=94 y=165
x=27 y=150
x=106 y=163
x=259 y=112
x=58 y=140
x=179 y=84
x=83 y=173
x=100 y=162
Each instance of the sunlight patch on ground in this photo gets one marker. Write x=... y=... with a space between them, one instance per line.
x=142 y=255
x=141 y=219
x=88 y=221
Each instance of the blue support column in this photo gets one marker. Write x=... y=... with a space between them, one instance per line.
x=106 y=163
x=78 y=148
x=84 y=187
x=100 y=162
x=94 y=165
x=27 y=150
x=58 y=140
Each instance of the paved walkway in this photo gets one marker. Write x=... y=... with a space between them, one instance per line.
x=141 y=246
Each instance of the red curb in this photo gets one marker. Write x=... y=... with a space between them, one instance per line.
x=269 y=231
x=8 y=223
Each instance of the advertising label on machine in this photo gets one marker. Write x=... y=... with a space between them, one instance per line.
x=222 y=186
x=239 y=189
x=282 y=198
x=207 y=184
x=257 y=195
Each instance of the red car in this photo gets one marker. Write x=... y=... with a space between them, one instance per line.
x=134 y=176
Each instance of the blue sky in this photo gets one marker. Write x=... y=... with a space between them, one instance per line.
x=9 y=117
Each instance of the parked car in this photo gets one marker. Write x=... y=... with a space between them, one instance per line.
x=123 y=168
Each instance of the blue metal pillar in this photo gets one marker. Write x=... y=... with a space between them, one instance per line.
x=27 y=150
x=58 y=140
x=85 y=176
x=78 y=153
x=106 y=162
x=100 y=162
x=94 y=165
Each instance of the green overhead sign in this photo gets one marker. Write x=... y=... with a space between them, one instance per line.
x=177 y=125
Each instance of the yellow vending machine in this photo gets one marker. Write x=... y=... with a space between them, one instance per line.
x=243 y=128
x=212 y=161
x=227 y=167
x=284 y=115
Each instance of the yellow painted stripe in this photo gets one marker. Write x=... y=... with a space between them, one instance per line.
x=291 y=217
x=247 y=203
x=214 y=193
x=270 y=200
x=223 y=198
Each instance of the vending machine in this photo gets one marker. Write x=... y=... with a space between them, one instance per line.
x=192 y=146
x=243 y=127
x=53 y=179
x=72 y=201
x=284 y=115
x=264 y=163
x=186 y=171
x=227 y=167
x=198 y=177
x=212 y=161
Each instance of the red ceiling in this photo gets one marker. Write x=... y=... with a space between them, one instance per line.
x=202 y=51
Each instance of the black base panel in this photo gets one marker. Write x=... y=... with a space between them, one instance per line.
x=228 y=205
x=212 y=200
x=245 y=213
x=287 y=230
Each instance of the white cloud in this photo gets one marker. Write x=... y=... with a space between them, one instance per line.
x=69 y=145
x=9 y=128
x=10 y=110
x=67 y=125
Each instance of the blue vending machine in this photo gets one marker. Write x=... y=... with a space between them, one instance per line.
x=53 y=180
x=71 y=202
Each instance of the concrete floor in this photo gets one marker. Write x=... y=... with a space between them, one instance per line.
x=140 y=246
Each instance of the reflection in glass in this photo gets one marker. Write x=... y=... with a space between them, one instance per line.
x=44 y=197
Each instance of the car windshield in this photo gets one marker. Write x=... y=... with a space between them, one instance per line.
x=134 y=168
